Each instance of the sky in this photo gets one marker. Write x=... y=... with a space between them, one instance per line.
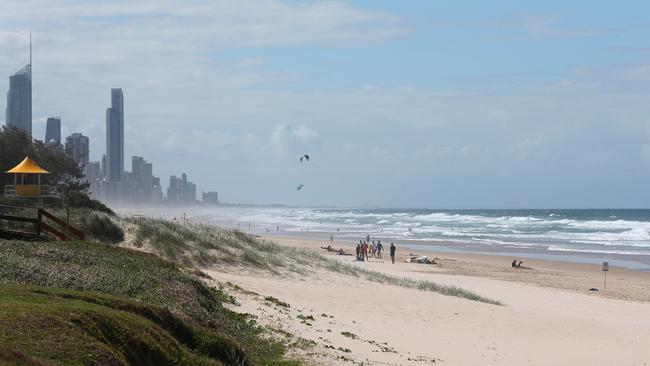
x=423 y=104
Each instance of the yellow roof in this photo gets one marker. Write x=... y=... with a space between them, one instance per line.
x=28 y=166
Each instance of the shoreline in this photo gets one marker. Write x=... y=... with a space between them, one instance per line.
x=638 y=262
x=622 y=283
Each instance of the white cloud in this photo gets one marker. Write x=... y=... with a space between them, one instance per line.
x=196 y=23
x=294 y=140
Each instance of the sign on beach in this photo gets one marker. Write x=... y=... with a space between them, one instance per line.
x=605 y=266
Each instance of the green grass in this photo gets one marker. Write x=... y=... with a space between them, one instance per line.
x=218 y=333
x=72 y=327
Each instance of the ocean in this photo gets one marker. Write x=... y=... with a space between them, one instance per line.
x=588 y=235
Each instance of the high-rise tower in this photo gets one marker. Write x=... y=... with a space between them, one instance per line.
x=115 y=136
x=19 y=97
x=78 y=147
x=53 y=131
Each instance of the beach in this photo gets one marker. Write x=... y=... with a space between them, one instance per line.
x=547 y=316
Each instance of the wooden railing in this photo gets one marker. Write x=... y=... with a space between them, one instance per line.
x=66 y=228
x=29 y=190
x=63 y=231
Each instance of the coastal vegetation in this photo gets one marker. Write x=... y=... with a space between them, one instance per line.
x=88 y=302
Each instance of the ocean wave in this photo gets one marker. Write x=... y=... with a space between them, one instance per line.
x=594 y=251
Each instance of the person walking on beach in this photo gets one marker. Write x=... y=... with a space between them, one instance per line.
x=372 y=249
x=358 y=249
x=364 y=250
x=379 y=249
x=392 y=252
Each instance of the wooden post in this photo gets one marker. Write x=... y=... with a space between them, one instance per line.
x=67 y=212
x=39 y=216
x=40 y=193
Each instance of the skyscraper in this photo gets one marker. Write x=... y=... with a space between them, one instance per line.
x=19 y=100
x=115 y=136
x=53 y=131
x=19 y=97
x=78 y=147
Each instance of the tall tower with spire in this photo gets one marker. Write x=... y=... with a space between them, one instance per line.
x=19 y=97
x=115 y=136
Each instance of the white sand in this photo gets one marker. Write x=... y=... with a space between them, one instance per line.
x=548 y=319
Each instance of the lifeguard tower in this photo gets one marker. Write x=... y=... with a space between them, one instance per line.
x=27 y=180
x=27 y=184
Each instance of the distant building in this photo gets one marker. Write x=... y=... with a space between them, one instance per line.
x=190 y=193
x=181 y=190
x=104 y=166
x=53 y=131
x=174 y=190
x=115 y=136
x=92 y=170
x=78 y=147
x=211 y=198
x=142 y=174
x=93 y=173
x=19 y=100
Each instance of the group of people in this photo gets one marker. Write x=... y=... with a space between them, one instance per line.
x=365 y=251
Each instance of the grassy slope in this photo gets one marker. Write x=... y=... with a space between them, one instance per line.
x=73 y=327
x=171 y=298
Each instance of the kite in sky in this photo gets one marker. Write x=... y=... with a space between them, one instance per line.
x=300 y=187
x=304 y=157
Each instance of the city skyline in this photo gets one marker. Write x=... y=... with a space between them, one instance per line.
x=108 y=179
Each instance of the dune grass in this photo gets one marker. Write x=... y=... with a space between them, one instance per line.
x=206 y=245
x=185 y=310
x=376 y=276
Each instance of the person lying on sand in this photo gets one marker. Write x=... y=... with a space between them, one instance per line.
x=422 y=259
x=337 y=251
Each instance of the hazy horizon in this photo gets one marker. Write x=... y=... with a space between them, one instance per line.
x=400 y=105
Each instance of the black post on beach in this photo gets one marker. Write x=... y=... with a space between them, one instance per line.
x=605 y=270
